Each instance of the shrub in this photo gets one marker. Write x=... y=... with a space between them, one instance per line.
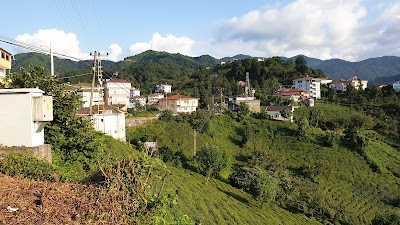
x=27 y=167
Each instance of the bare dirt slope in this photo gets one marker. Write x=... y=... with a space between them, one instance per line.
x=54 y=203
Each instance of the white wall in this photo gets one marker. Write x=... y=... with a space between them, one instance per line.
x=16 y=118
x=111 y=124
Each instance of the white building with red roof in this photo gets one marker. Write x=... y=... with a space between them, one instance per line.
x=179 y=104
x=154 y=98
x=117 y=92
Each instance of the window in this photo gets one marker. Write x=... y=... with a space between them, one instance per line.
x=3 y=55
x=102 y=120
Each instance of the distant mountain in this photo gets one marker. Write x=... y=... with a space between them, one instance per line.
x=375 y=70
x=238 y=57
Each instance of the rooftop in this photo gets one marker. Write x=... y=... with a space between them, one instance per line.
x=96 y=109
x=117 y=80
x=177 y=97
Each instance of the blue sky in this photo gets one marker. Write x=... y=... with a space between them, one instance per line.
x=352 y=30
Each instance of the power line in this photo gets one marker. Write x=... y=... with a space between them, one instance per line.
x=35 y=48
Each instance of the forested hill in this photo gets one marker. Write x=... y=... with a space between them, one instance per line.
x=62 y=67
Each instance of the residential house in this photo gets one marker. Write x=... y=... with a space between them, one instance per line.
x=254 y=104
x=136 y=102
x=341 y=85
x=179 y=104
x=154 y=98
x=295 y=94
x=275 y=111
x=134 y=92
x=164 y=88
x=24 y=113
x=117 y=92
x=84 y=90
x=5 y=62
x=107 y=120
x=396 y=86
x=311 y=84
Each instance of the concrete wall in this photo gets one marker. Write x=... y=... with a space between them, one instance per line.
x=40 y=152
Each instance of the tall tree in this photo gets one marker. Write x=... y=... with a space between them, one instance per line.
x=301 y=65
x=211 y=160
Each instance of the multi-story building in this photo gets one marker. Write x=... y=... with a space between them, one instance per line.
x=179 y=104
x=154 y=98
x=311 y=84
x=84 y=90
x=396 y=86
x=164 y=88
x=136 y=102
x=107 y=120
x=134 y=92
x=341 y=85
x=117 y=92
x=5 y=62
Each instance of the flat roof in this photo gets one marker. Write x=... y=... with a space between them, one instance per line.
x=20 y=90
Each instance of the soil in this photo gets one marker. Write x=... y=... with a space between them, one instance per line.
x=55 y=203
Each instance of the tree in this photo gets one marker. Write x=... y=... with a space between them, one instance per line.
x=301 y=65
x=70 y=136
x=211 y=160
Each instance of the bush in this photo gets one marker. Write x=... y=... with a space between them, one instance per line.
x=27 y=167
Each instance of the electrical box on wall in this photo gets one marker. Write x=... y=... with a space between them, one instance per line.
x=43 y=108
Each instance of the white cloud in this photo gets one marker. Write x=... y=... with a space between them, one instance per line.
x=115 y=53
x=61 y=42
x=64 y=43
x=317 y=28
x=169 y=43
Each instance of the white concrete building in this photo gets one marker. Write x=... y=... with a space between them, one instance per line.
x=107 y=120
x=341 y=85
x=84 y=90
x=134 y=92
x=117 y=92
x=154 y=98
x=137 y=101
x=179 y=104
x=164 y=88
x=396 y=86
x=311 y=84
x=23 y=115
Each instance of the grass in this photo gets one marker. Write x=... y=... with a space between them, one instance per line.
x=220 y=203
x=344 y=186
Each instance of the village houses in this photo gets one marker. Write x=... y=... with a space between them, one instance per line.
x=311 y=84
x=84 y=90
x=396 y=86
x=164 y=88
x=341 y=85
x=117 y=92
x=179 y=104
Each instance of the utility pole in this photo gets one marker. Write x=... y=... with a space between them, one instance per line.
x=51 y=62
x=97 y=70
x=93 y=78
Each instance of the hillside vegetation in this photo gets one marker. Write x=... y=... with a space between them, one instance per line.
x=320 y=173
